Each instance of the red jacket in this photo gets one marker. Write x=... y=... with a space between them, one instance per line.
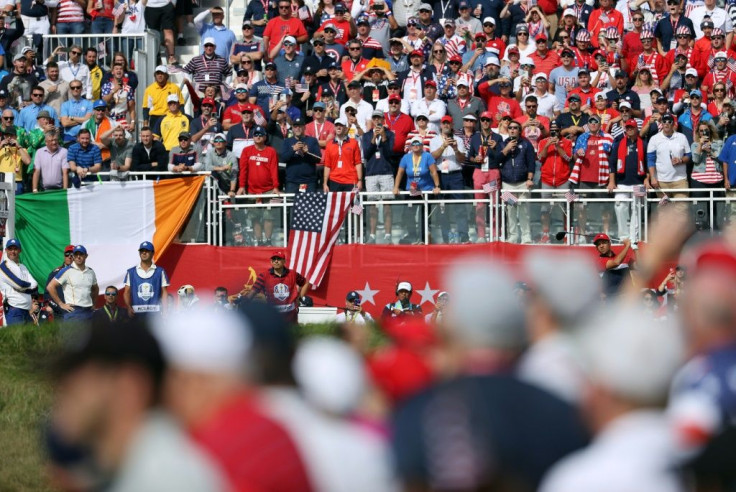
x=259 y=170
x=555 y=169
x=499 y=105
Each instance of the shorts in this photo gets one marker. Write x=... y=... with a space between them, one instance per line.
x=381 y=183
x=160 y=18
x=183 y=7
x=262 y=213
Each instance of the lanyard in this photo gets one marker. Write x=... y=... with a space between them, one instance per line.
x=444 y=6
x=112 y=315
x=462 y=104
x=574 y=121
x=334 y=87
x=246 y=130
x=415 y=78
x=392 y=123
x=75 y=72
x=318 y=130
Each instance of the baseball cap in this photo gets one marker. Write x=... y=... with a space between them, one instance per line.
x=446 y=118
x=10 y=131
x=341 y=121
x=27 y=49
x=540 y=75
x=696 y=92
x=422 y=114
x=707 y=23
x=565 y=52
x=569 y=12
x=412 y=21
x=208 y=101
x=492 y=60
x=394 y=97
x=353 y=297
x=393 y=83
x=425 y=6
x=449 y=22
x=377 y=114
x=80 y=249
x=721 y=54
x=319 y=104
x=489 y=19
x=573 y=97
x=430 y=83
x=601 y=237
x=455 y=59
x=147 y=246
x=247 y=23
x=248 y=108
x=624 y=104
x=102 y=104
x=363 y=19
x=330 y=27
x=416 y=140
x=209 y=40
x=162 y=69
x=594 y=119
x=416 y=53
x=513 y=48
x=186 y=135
x=241 y=86
x=278 y=254
x=334 y=65
x=631 y=122
x=620 y=74
x=270 y=65
x=340 y=7
x=354 y=84
x=259 y=130
x=660 y=100
x=470 y=117
x=521 y=28
x=309 y=70
x=668 y=117
x=69 y=249
x=13 y=243
x=290 y=39
x=297 y=122
x=541 y=37
x=19 y=57
x=3 y=94
x=45 y=114
x=486 y=114
x=219 y=137
x=172 y=98
x=479 y=35
x=582 y=71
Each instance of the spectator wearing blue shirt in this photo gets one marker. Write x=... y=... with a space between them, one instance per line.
x=84 y=157
x=694 y=112
x=29 y=114
x=728 y=158
x=267 y=90
x=421 y=175
x=517 y=161
x=258 y=13
x=301 y=154
x=224 y=37
x=74 y=111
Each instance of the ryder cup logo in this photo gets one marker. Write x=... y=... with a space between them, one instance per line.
x=281 y=292
x=145 y=291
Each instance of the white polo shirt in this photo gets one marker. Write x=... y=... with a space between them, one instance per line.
x=447 y=162
x=77 y=285
x=667 y=147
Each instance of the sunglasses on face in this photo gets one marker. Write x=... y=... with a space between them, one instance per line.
x=37 y=95
x=695 y=97
x=416 y=144
x=523 y=34
x=718 y=37
x=531 y=106
x=683 y=36
x=68 y=254
x=111 y=294
x=394 y=103
x=638 y=19
x=438 y=51
x=719 y=90
x=485 y=119
x=76 y=52
x=514 y=128
x=183 y=139
x=8 y=118
x=354 y=48
x=422 y=119
x=319 y=110
x=704 y=132
x=286 y=7
x=247 y=27
x=288 y=43
x=487 y=24
x=241 y=91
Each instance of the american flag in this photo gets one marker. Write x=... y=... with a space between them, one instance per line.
x=491 y=187
x=301 y=88
x=509 y=198
x=315 y=226
x=258 y=118
x=357 y=208
x=570 y=196
x=119 y=9
x=640 y=191
x=415 y=192
x=664 y=201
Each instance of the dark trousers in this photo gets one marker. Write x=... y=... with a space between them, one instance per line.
x=292 y=187
x=339 y=186
x=79 y=314
x=17 y=316
x=453 y=181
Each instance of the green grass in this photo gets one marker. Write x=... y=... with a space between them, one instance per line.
x=25 y=398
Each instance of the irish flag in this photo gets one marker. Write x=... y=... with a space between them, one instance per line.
x=110 y=219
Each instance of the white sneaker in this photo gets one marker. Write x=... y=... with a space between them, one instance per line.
x=387 y=239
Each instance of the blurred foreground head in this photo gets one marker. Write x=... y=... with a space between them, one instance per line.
x=485 y=312
x=207 y=351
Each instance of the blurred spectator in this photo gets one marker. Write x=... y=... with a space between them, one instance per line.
x=172 y=124
x=223 y=37
x=630 y=362
x=614 y=268
x=377 y=146
x=440 y=306
x=159 y=16
x=420 y=170
x=478 y=413
x=301 y=154
x=282 y=287
x=148 y=154
x=109 y=388
x=145 y=285
x=58 y=312
x=13 y=159
x=517 y=161
x=183 y=158
x=187 y=298
x=207 y=390
x=223 y=165
x=121 y=152
x=84 y=157
x=75 y=111
x=156 y=96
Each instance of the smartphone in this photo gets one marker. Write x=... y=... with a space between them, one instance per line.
x=283 y=97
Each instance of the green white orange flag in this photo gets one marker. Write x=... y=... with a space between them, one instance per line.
x=110 y=219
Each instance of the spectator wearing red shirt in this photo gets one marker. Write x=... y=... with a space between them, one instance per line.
x=354 y=63
x=343 y=162
x=604 y=17
x=533 y=126
x=545 y=60
x=555 y=153
x=584 y=90
x=346 y=29
x=233 y=115
x=505 y=103
x=614 y=268
x=632 y=46
x=400 y=123
x=259 y=174
x=283 y=25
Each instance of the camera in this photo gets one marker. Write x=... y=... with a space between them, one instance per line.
x=378 y=7
x=553 y=133
x=514 y=139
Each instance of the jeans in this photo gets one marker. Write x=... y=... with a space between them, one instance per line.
x=71 y=28
x=453 y=181
x=101 y=25
x=17 y=316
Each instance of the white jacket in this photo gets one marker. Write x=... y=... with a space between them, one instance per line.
x=16 y=284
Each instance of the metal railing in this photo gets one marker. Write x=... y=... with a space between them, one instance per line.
x=141 y=50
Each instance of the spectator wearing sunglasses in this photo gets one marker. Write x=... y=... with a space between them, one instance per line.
x=68 y=252
x=110 y=312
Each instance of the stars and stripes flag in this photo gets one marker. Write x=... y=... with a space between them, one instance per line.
x=509 y=198
x=664 y=201
x=301 y=88
x=258 y=118
x=315 y=225
x=491 y=187
x=640 y=191
x=119 y=9
x=357 y=208
x=570 y=196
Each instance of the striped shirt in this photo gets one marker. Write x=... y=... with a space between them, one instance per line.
x=69 y=11
x=84 y=157
x=208 y=71
x=425 y=139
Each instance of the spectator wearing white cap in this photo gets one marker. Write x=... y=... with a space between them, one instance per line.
x=209 y=68
x=155 y=98
x=208 y=389
x=630 y=362
x=289 y=62
x=223 y=37
x=545 y=100
x=719 y=73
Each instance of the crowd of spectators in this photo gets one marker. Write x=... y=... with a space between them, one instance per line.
x=621 y=96
x=531 y=388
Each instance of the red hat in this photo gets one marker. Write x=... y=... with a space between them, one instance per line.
x=446 y=118
x=278 y=254
x=514 y=49
x=431 y=82
x=486 y=114
x=631 y=122
x=601 y=237
x=69 y=249
x=416 y=53
x=249 y=108
x=480 y=35
x=208 y=100
x=456 y=58
x=540 y=37
x=394 y=97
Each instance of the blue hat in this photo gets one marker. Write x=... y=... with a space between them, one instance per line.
x=334 y=65
x=13 y=242
x=287 y=92
x=99 y=104
x=259 y=130
x=147 y=246
x=696 y=92
x=80 y=249
x=353 y=297
x=320 y=105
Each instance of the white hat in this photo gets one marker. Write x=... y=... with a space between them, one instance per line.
x=421 y=113
x=291 y=39
x=540 y=75
x=631 y=354
x=209 y=40
x=350 y=104
x=492 y=60
x=162 y=69
x=624 y=103
x=204 y=340
x=241 y=86
x=569 y=12
x=470 y=117
x=552 y=276
x=691 y=71
x=721 y=54
x=172 y=98
x=480 y=320
x=406 y=285
x=489 y=19
x=331 y=375
x=526 y=61
x=341 y=121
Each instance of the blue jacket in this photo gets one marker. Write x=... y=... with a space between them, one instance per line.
x=519 y=164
